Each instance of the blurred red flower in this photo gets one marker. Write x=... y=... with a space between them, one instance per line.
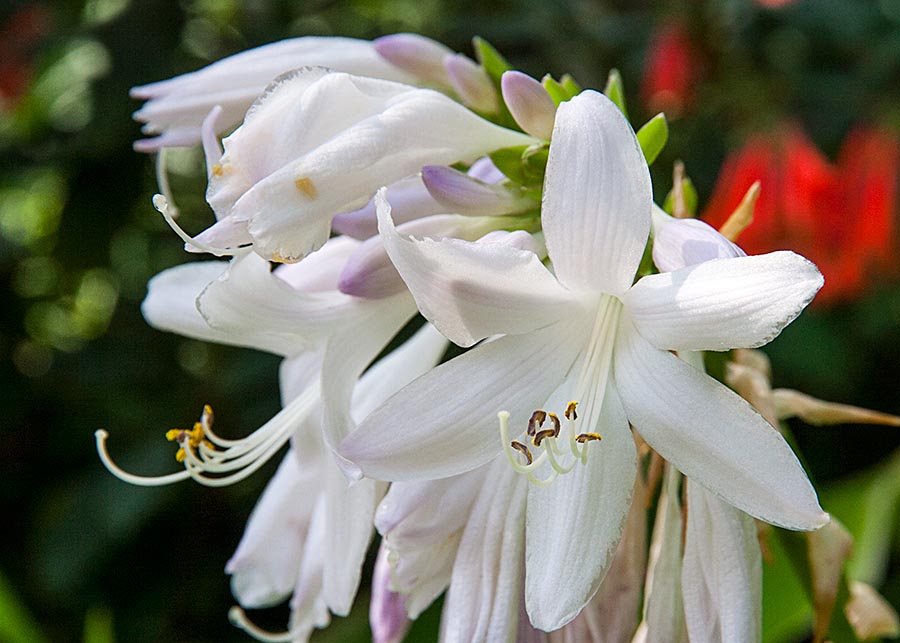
x=840 y=215
x=19 y=34
x=670 y=71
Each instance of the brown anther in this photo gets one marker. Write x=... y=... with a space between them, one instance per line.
x=536 y=421
x=570 y=411
x=545 y=433
x=521 y=448
x=554 y=419
x=307 y=187
x=587 y=437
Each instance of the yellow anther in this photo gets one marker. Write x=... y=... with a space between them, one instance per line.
x=536 y=421
x=521 y=448
x=192 y=438
x=554 y=420
x=587 y=437
x=307 y=186
x=545 y=433
x=277 y=257
x=570 y=411
x=217 y=169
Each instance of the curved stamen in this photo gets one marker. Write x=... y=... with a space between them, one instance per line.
x=162 y=179
x=161 y=203
x=142 y=481
x=239 y=618
x=216 y=462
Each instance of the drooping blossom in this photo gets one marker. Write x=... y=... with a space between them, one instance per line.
x=176 y=107
x=841 y=215
x=319 y=143
x=587 y=341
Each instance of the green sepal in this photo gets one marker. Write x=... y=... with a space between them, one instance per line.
x=522 y=164
x=615 y=91
x=653 y=136
x=558 y=92
x=491 y=60
x=509 y=161
x=534 y=161
x=570 y=85
x=691 y=200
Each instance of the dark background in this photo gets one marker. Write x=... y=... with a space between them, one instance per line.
x=86 y=556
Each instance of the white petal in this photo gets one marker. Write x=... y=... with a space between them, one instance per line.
x=422 y=523
x=574 y=524
x=663 y=609
x=471 y=291
x=347 y=355
x=742 y=302
x=412 y=359
x=445 y=422
x=350 y=136
x=320 y=271
x=308 y=607
x=349 y=512
x=256 y=308
x=296 y=373
x=712 y=435
x=684 y=242
x=722 y=573
x=612 y=615
x=597 y=196
x=170 y=303
x=483 y=601
x=264 y=568
x=234 y=82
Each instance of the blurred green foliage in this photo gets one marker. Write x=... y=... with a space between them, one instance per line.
x=85 y=556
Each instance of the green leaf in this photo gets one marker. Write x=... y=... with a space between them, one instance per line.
x=615 y=91
x=509 y=161
x=690 y=198
x=492 y=60
x=868 y=504
x=787 y=612
x=653 y=136
x=534 y=160
x=16 y=624
x=98 y=626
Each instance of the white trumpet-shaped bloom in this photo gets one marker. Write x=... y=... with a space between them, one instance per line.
x=587 y=339
x=175 y=108
x=318 y=143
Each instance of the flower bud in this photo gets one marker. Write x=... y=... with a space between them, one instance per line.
x=409 y=198
x=387 y=609
x=417 y=55
x=529 y=103
x=472 y=84
x=369 y=272
x=462 y=194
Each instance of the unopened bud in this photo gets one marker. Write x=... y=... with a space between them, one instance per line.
x=529 y=103
x=387 y=609
x=420 y=56
x=462 y=194
x=472 y=83
x=409 y=199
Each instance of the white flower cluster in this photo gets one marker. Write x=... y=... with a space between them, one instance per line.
x=397 y=178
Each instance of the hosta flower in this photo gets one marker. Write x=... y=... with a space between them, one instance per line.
x=176 y=107
x=296 y=312
x=588 y=343
x=318 y=143
x=309 y=532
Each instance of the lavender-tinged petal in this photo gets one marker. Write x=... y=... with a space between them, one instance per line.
x=529 y=103
x=387 y=609
x=472 y=83
x=420 y=56
x=462 y=194
x=685 y=242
